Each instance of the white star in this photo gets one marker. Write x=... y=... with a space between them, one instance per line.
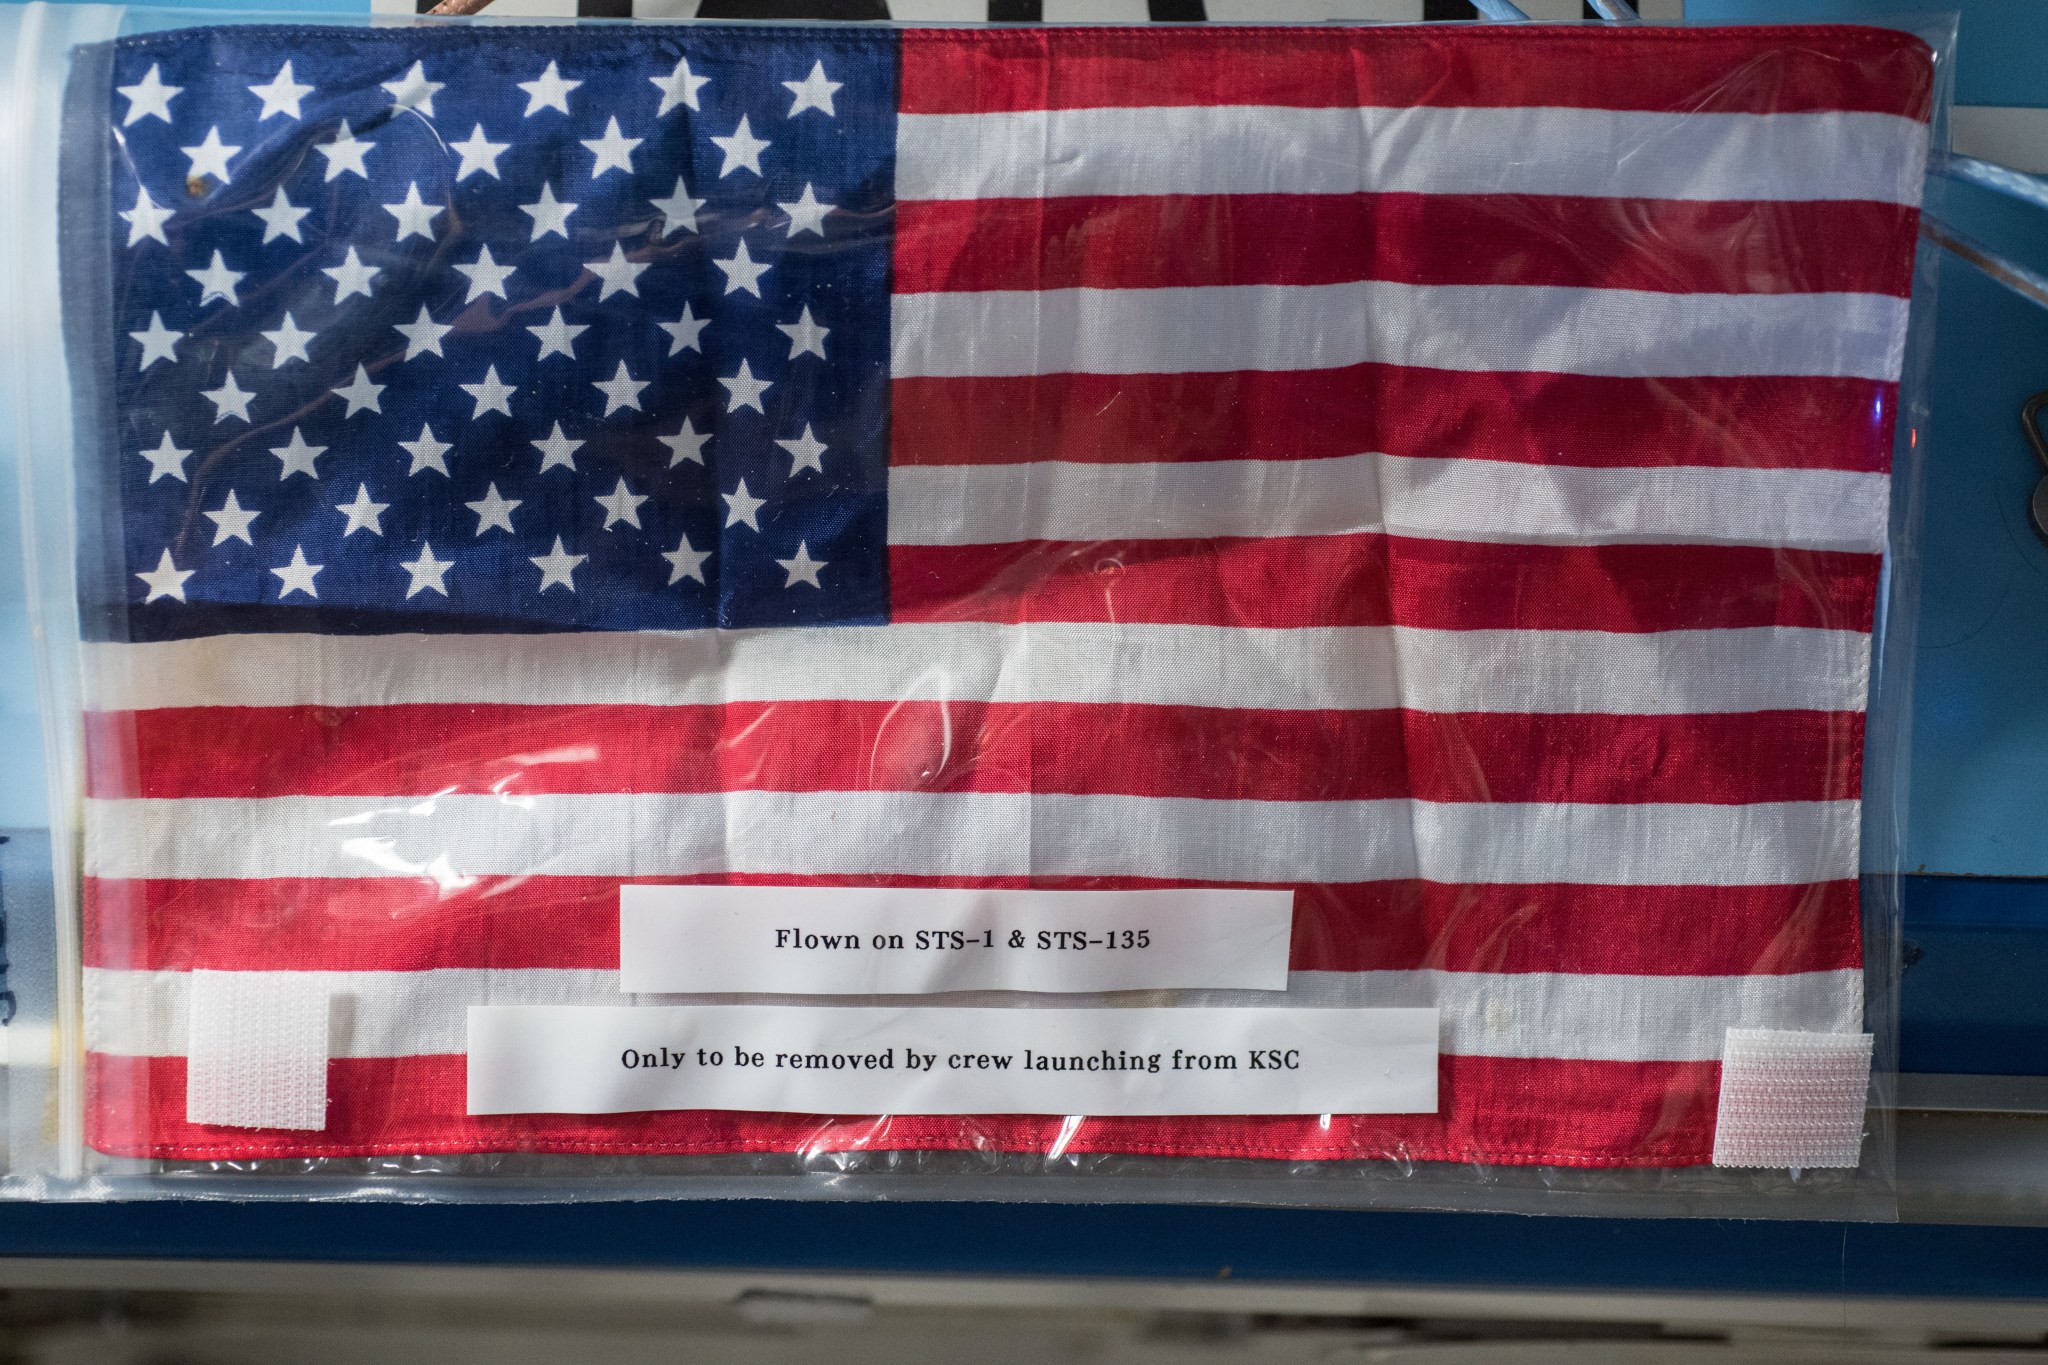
x=558 y=337
x=478 y=154
x=742 y=149
x=166 y=579
x=231 y=522
x=744 y=391
x=687 y=444
x=802 y=568
x=621 y=504
x=678 y=211
x=345 y=153
x=613 y=151
x=486 y=276
x=806 y=213
x=210 y=157
x=622 y=390
x=618 y=273
x=158 y=342
x=297 y=576
x=415 y=216
x=741 y=507
x=229 y=400
x=426 y=452
x=147 y=218
x=281 y=95
x=805 y=452
x=556 y=449
x=166 y=461
x=547 y=91
x=492 y=509
x=423 y=334
x=491 y=394
x=813 y=92
x=217 y=282
x=685 y=562
x=151 y=98
x=557 y=567
x=678 y=87
x=428 y=573
x=414 y=91
x=806 y=337
x=549 y=214
x=298 y=457
x=288 y=342
x=361 y=395
x=683 y=332
x=281 y=219
x=351 y=276
x=742 y=272
x=362 y=514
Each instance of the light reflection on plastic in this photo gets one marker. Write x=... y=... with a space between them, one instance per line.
x=383 y=853
x=913 y=694
x=425 y=806
x=1070 y=1128
x=575 y=753
x=513 y=799
x=572 y=754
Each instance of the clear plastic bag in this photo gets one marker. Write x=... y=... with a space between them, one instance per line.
x=1441 y=477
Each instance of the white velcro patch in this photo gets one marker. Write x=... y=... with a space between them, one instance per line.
x=1792 y=1100
x=256 y=1052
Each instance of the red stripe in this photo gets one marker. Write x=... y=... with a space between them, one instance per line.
x=1163 y=751
x=1750 y=70
x=1500 y=1111
x=1375 y=580
x=1770 y=422
x=505 y=923
x=1436 y=239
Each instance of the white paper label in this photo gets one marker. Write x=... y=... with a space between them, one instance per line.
x=567 y=1059
x=811 y=940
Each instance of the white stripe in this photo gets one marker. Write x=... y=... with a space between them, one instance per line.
x=1258 y=149
x=1328 y=668
x=1221 y=328
x=970 y=834
x=1484 y=500
x=1536 y=1014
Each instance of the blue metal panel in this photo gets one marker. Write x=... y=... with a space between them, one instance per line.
x=1972 y=1000
x=1201 y=1244
x=21 y=736
x=2012 y=224
x=1980 y=744
x=2002 y=44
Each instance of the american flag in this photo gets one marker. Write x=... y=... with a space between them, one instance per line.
x=1443 y=472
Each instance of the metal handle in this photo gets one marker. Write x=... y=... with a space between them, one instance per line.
x=2030 y=422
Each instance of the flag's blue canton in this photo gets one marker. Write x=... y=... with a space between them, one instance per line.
x=665 y=407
